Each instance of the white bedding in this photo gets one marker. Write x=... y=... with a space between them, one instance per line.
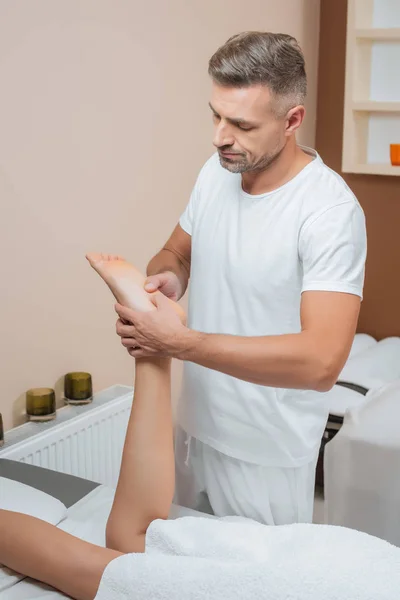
x=362 y=468
x=374 y=366
x=341 y=399
x=371 y=364
x=87 y=520
x=345 y=559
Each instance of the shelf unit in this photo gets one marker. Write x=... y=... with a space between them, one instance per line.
x=378 y=34
x=372 y=87
x=372 y=106
x=374 y=169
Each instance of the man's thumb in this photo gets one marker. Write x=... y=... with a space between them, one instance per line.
x=152 y=283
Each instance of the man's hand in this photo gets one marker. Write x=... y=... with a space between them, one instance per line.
x=157 y=333
x=167 y=283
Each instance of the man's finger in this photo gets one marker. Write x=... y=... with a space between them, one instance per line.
x=129 y=342
x=125 y=330
x=127 y=314
x=154 y=282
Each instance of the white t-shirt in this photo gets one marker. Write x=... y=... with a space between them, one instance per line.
x=252 y=257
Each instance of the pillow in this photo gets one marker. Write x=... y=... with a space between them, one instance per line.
x=18 y=497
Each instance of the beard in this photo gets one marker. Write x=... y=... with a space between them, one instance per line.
x=242 y=164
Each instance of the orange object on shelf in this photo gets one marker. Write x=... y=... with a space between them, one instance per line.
x=395 y=154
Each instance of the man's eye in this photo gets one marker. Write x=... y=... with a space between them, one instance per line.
x=216 y=117
x=244 y=127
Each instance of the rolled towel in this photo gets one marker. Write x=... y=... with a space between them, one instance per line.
x=375 y=366
x=238 y=559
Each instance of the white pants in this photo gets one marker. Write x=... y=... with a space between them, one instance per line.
x=212 y=482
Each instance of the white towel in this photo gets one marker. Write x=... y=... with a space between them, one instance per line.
x=375 y=366
x=238 y=559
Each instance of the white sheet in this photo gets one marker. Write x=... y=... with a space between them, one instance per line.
x=340 y=399
x=362 y=467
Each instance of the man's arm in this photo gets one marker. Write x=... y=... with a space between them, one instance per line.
x=311 y=359
x=174 y=257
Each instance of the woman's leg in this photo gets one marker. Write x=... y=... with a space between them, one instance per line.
x=144 y=491
x=147 y=476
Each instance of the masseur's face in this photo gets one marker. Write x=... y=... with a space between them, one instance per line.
x=249 y=132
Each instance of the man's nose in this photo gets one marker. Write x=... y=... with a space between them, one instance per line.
x=223 y=136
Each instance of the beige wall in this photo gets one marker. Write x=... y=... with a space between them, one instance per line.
x=104 y=126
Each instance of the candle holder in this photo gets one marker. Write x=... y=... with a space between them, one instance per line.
x=78 y=388
x=1 y=431
x=41 y=404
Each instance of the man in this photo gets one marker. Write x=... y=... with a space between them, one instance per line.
x=274 y=243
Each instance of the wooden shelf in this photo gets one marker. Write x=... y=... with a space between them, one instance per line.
x=378 y=34
x=377 y=106
x=372 y=169
x=371 y=72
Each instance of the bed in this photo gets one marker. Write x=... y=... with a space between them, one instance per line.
x=370 y=366
x=88 y=505
x=245 y=559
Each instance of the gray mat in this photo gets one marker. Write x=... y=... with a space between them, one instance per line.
x=67 y=488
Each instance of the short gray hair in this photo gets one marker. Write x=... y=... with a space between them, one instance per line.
x=262 y=58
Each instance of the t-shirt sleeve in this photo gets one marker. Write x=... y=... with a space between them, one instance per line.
x=187 y=217
x=333 y=248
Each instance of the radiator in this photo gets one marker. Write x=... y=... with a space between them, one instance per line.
x=85 y=441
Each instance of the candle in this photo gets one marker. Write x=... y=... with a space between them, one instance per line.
x=395 y=154
x=78 y=388
x=41 y=404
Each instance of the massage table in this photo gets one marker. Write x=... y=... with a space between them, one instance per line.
x=362 y=467
x=88 y=506
x=244 y=559
x=371 y=365
x=344 y=396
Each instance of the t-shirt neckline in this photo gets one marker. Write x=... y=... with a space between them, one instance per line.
x=304 y=171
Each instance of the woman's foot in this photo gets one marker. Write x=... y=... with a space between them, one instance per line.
x=126 y=282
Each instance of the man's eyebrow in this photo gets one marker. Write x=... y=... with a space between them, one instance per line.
x=233 y=121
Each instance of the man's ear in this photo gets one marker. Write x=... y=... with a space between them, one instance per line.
x=294 y=119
